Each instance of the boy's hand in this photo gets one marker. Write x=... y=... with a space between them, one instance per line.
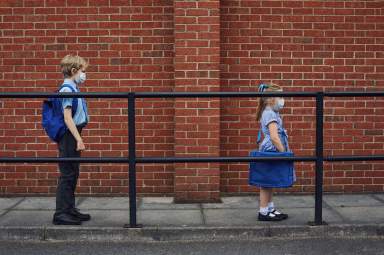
x=80 y=146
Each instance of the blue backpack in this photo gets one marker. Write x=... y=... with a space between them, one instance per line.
x=53 y=116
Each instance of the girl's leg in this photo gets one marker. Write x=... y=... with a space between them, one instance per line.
x=264 y=200
x=270 y=202
x=271 y=207
x=264 y=197
x=264 y=213
x=270 y=195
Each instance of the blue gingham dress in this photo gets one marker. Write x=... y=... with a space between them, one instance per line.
x=268 y=116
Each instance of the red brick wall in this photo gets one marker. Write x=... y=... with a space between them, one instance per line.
x=165 y=45
x=306 y=46
x=197 y=120
x=129 y=46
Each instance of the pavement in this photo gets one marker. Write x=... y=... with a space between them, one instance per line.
x=352 y=215
x=272 y=246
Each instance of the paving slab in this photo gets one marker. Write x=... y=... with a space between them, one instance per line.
x=112 y=218
x=357 y=215
x=253 y=202
x=157 y=200
x=302 y=216
x=37 y=203
x=164 y=203
x=379 y=196
x=234 y=202
x=230 y=217
x=6 y=203
x=104 y=203
x=351 y=200
x=248 y=217
x=294 y=201
x=170 y=217
x=27 y=218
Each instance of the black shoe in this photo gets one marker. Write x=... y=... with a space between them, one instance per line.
x=65 y=219
x=280 y=215
x=81 y=216
x=268 y=217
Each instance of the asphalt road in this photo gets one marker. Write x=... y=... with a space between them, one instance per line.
x=366 y=246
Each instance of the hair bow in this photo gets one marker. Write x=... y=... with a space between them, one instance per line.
x=262 y=87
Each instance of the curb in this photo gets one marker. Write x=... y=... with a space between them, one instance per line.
x=157 y=234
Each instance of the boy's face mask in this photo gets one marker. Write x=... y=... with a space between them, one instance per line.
x=81 y=77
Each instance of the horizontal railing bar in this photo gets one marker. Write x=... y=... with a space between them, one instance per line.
x=182 y=159
x=64 y=95
x=354 y=94
x=219 y=159
x=69 y=159
x=185 y=94
x=354 y=158
x=222 y=94
x=154 y=94
x=149 y=159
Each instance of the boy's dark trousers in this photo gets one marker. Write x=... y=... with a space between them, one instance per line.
x=69 y=173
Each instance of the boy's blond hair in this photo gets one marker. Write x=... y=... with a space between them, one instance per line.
x=71 y=61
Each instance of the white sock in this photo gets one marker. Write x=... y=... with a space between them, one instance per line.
x=264 y=210
x=271 y=206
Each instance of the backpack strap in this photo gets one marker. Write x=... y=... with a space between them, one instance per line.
x=74 y=102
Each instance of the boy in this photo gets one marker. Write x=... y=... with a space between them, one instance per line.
x=71 y=144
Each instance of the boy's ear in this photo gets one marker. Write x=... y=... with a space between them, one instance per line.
x=73 y=71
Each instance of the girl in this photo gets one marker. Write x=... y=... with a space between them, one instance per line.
x=275 y=139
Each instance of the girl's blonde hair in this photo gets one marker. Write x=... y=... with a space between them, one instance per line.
x=71 y=61
x=264 y=100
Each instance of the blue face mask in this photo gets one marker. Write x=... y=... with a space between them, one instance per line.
x=81 y=78
x=279 y=104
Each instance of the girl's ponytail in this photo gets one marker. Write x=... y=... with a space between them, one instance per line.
x=260 y=108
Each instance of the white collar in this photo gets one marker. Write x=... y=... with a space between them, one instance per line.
x=71 y=83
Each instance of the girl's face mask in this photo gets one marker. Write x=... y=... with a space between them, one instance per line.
x=279 y=104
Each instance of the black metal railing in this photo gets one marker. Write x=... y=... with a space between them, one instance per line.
x=132 y=160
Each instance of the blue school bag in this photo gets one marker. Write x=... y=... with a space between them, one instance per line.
x=271 y=174
x=53 y=116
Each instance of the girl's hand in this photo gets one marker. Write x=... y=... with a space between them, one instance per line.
x=275 y=138
x=80 y=146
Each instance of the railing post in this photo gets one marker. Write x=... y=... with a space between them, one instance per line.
x=319 y=159
x=132 y=161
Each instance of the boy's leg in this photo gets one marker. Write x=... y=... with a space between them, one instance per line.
x=65 y=199
x=76 y=168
